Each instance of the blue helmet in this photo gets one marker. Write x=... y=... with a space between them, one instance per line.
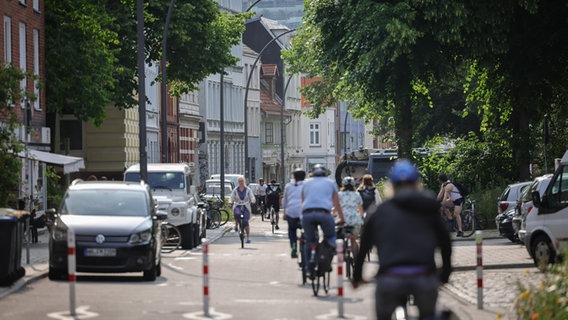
x=404 y=171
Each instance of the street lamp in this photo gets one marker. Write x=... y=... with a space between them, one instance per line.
x=246 y=97
x=282 y=134
x=164 y=118
x=141 y=90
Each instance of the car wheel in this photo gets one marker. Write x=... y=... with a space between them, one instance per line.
x=56 y=274
x=151 y=274
x=542 y=252
x=186 y=236
x=196 y=230
x=159 y=269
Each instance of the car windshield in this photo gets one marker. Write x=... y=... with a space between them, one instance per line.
x=96 y=202
x=160 y=180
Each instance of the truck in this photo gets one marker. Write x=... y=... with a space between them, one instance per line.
x=172 y=189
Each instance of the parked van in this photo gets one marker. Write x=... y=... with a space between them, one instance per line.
x=173 y=191
x=547 y=232
x=229 y=176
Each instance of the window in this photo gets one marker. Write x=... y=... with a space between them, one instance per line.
x=268 y=133
x=559 y=190
x=23 y=2
x=23 y=54
x=71 y=130
x=314 y=134
x=7 y=39
x=36 y=5
x=37 y=104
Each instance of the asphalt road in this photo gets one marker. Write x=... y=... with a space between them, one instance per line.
x=260 y=281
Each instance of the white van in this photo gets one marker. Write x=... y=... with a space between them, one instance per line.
x=547 y=232
x=172 y=188
x=229 y=176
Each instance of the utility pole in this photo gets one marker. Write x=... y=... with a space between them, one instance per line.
x=141 y=90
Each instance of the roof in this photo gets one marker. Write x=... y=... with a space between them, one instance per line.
x=273 y=24
x=270 y=106
x=106 y=185
x=269 y=70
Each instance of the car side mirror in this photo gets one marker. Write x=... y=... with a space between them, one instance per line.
x=537 y=203
x=161 y=215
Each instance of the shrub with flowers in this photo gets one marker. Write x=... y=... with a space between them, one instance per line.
x=547 y=301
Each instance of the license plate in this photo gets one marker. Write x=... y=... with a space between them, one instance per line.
x=100 y=252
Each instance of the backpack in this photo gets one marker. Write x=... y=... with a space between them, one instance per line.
x=324 y=257
x=273 y=193
x=368 y=196
x=464 y=191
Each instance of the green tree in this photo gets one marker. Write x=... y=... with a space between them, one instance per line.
x=10 y=163
x=90 y=47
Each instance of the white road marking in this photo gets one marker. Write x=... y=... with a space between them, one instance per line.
x=333 y=315
x=81 y=313
x=212 y=315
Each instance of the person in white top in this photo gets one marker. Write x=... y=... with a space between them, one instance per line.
x=241 y=200
x=292 y=205
x=261 y=195
x=450 y=196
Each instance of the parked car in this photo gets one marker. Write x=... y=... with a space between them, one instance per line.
x=504 y=222
x=213 y=189
x=508 y=199
x=228 y=176
x=547 y=230
x=116 y=225
x=526 y=207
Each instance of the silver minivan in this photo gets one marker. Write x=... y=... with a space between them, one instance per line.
x=547 y=232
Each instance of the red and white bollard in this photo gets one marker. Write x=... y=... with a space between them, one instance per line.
x=205 y=277
x=478 y=244
x=339 y=248
x=71 y=266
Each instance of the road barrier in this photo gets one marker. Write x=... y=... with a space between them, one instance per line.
x=479 y=244
x=339 y=249
x=205 y=277
x=71 y=265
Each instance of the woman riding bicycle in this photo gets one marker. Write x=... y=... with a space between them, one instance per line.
x=241 y=200
x=352 y=205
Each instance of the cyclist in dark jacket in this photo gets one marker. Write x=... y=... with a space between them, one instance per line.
x=406 y=230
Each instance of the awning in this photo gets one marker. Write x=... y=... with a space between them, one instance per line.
x=70 y=164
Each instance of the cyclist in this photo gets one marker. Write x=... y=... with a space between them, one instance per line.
x=369 y=193
x=352 y=206
x=406 y=230
x=450 y=196
x=292 y=205
x=273 y=196
x=319 y=194
x=241 y=200
x=261 y=195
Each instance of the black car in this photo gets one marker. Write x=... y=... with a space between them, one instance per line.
x=116 y=225
x=504 y=223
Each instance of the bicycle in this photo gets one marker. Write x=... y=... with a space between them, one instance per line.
x=302 y=256
x=470 y=220
x=317 y=273
x=346 y=233
x=170 y=237
x=260 y=206
x=241 y=223
x=272 y=217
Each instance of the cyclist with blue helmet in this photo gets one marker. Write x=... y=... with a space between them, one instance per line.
x=406 y=231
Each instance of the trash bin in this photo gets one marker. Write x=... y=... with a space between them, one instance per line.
x=12 y=224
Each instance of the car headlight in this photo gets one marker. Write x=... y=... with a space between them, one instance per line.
x=59 y=234
x=175 y=212
x=141 y=237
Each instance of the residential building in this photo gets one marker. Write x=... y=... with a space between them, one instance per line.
x=189 y=120
x=253 y=113
x=352 y=132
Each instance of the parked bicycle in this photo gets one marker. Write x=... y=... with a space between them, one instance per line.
x=171 y=237
x=471 y=221
x=216 y=214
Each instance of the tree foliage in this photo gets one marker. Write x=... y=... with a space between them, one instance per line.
x=395 y=59
x=10 y=91
x=91 y=50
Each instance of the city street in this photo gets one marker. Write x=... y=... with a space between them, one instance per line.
x=261 y=281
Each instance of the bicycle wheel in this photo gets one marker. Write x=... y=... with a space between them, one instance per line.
x=214 y=219
x=224 y=216
x=468 y=223
x=301 y=260
x=171 y=238
x=242 y=232
x=316 y=284
x=326 y=281
x=480 y=222
x=272 y=218
x=348 y=264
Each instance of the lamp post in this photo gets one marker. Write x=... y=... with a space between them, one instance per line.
x=164 y=117
x=246 y=97
x=282 y=134
x=141 y=90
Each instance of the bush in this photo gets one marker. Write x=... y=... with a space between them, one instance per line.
x=547 y=301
